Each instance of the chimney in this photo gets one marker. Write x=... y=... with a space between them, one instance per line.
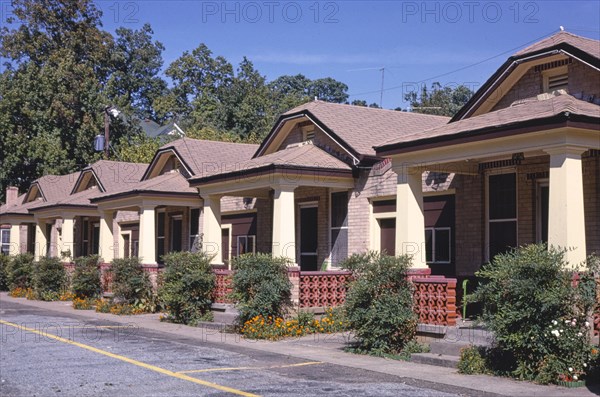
x=11 y=195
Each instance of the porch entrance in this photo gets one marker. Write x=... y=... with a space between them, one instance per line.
x=308 y=238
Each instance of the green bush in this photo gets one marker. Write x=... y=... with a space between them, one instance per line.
x=4 y=262
x=379 y=303
x=49 y=278
x=261 y=286
x=472 y=360
x=537 y=316
x=19 y=272
x=86 y=281
x=130 y=284
x=187 y=287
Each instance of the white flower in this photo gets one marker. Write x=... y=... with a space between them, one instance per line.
x=574 y=377
x=567 y=321
x=561 y=330
x=570 y=369
x=574 y=320
x=555 y=333
x=584 y=365
x=554 y=322
x=587 y=324
x=579 y=334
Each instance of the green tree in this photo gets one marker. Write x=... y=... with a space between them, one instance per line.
x=58 y=60
x=134 y=84
x=438 y=100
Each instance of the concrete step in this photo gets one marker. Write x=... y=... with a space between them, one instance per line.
x=439 y=360
x=447 y=348
x=224 y=317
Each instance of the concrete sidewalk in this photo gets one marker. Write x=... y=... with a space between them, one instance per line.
x=329 y=349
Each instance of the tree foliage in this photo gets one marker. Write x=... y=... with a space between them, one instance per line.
x=438 y=100
x=63 y=69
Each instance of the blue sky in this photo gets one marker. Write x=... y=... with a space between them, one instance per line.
x=351 y=40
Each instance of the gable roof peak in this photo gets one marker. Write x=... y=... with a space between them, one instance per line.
x=588 y=45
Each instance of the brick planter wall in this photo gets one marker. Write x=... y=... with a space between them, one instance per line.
x=323 y=289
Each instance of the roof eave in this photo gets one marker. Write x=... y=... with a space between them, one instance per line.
x=270 y=168
x=484 y=133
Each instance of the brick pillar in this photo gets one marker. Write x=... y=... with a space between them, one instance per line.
x=294 y=276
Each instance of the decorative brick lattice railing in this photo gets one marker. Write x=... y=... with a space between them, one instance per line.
x=435 y=300
x=223 y=286
x=323 y=289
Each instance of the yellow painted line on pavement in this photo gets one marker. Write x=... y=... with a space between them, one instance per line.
x=134 y=362
x=195 y=371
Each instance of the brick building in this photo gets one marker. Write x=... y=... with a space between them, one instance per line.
x=518 y=164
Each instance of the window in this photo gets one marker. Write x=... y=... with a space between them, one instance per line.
x=195 y=244
x=246 y=244
x=502 y=213
x=339 y=227
x=5 y=241
x=438 y=243
x=543 y=196
x=160 y=236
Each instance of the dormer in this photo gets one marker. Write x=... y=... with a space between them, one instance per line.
x=165 y=161
x=87 y=180
x=34 y=193
x=561 y=63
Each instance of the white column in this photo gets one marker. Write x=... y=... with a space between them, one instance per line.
x=106 y=236
x=147 y=242
x=15 y=240
x=211 y=228
x=41 y=240
x=68 y=236
x=410 y=221
x=120 y=243
x=284 y=228
x=566 y=218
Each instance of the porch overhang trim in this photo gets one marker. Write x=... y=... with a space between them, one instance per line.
x=143 y=193
x=269 y=170
x=491 y=132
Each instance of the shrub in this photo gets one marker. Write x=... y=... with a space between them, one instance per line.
x=86 y=282
x=50 y=278
x=20 y=272
x=261 y=286
x=4 y=262
x=130 y=283
x=187 y=286
x=379 y=303
x=536 y=314
x=472 y=360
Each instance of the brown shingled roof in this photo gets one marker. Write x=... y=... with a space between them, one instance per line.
x=117 y=175
x=590 y=46
x=523 y=111
x=172 y=182
x=304 y=156
x=363 y=127
x=18 y=207
x=55 y=187
x=201 y=156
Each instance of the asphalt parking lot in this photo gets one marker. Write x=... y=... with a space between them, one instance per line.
x=53 y=354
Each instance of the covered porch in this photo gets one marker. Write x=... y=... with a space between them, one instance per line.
x=300 y=213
